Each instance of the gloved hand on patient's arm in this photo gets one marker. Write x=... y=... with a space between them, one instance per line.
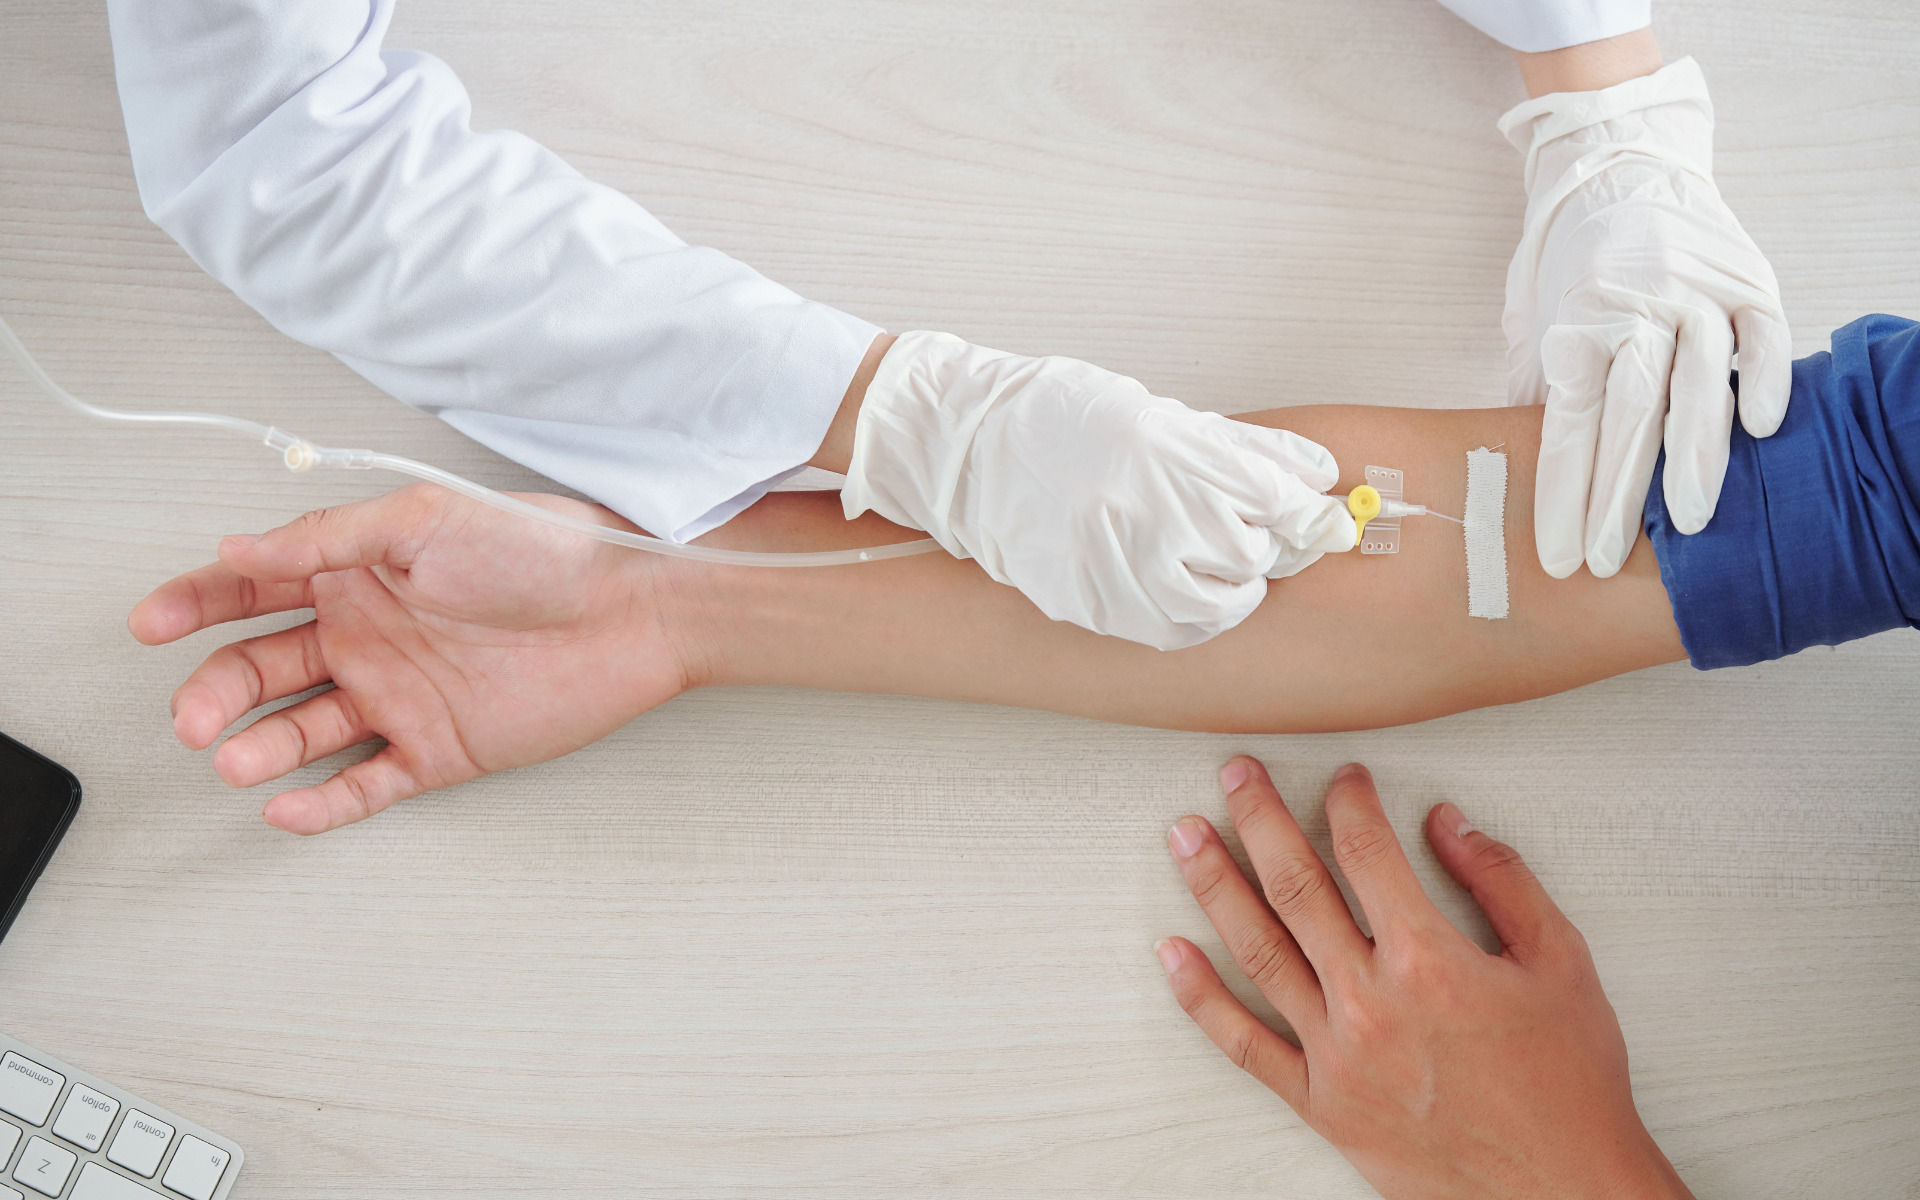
x=1630 y=290
x=1437 y=1069
x=1121 y=511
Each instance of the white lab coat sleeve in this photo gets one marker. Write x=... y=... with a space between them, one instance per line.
x=338 y=189
x=1537 y=25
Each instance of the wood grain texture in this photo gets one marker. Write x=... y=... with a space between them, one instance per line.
x=785 y=944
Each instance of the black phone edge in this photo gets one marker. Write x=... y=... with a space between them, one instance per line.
x=53 y=843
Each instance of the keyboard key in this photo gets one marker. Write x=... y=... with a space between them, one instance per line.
x=86 y=1117
x=141 y=1143
x=196 y=1168
x=27 y=1089
x=98 y=1183
x=44 y=1167
x=9 y=1138
x=7 y=1193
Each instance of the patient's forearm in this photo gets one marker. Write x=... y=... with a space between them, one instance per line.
x=1352 y=642
x=474 y=641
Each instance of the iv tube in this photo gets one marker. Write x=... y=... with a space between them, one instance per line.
x=300 y=455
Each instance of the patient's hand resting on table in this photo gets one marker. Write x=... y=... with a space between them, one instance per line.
x=1438 y=1069
x=470 y=639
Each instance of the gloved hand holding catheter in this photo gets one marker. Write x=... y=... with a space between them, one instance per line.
x=1115 y=509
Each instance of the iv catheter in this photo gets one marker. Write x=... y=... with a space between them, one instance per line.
x=1366 y=504
x=1379 y=501
x=300 y=455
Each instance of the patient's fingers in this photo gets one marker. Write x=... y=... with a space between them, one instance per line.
x=387 y=529
x=1297 y=885
x=210 y=596
x=240 y=677
x=353 y=795
x=1241 y=1036
x=293 y=737
x=1369 y=854
x=1258 y=942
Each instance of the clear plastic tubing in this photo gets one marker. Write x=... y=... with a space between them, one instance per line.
x=1394 y=508
x=300 y=455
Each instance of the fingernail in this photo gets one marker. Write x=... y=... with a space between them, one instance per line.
x=1169 y=955
x=1349 y=769
x=235 y=543
x=1183 y=838
x=1233 y=775
x=1458 y=819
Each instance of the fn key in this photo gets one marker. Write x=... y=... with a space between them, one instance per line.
x=196 y=1169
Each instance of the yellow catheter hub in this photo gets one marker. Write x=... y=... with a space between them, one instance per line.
x=1364 y=503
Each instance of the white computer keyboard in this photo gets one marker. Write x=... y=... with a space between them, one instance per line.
x=70 y=1136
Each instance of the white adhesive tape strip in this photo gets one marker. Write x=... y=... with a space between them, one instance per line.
x=1486 y=519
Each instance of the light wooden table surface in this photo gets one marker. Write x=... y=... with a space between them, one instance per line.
x=772 y=943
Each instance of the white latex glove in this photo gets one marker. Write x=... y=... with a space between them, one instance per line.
x=1633 y=282
x=1118 y=510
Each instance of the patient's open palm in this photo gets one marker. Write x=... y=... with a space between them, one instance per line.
x=472 y=640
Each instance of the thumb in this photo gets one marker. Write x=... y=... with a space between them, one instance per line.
x=1501 y=883
x=388 y=530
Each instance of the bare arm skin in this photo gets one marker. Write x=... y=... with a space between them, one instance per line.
x=1352 y=642
x=836 y=448
x=474 y=640
x=1591 y=66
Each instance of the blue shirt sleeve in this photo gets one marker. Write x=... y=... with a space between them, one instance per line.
x=1816 y=540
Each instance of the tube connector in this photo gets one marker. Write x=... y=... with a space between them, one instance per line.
x=302 y=455
x=352 y=460
x=297 y=452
